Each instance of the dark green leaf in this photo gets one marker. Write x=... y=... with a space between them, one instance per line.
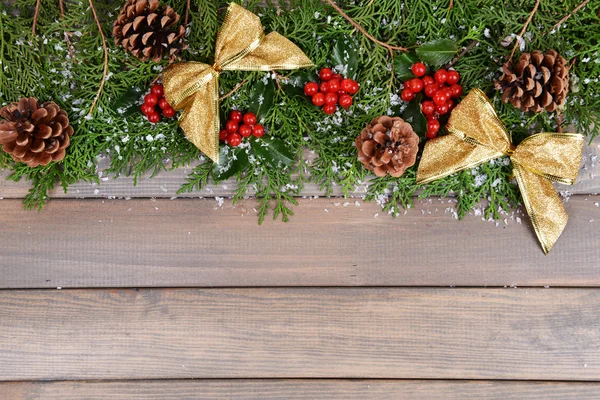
x=437 y=52
x=231 y=161
x=295 y=85
x=402 y=64
x=415 y=117
x=129 y=102
x=273 y=151
x=345 y=56
x=261 y=97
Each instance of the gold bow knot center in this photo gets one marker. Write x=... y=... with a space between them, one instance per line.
x=217 y=68
x=510 y=150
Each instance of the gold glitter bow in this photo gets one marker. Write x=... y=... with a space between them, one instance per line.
x=477 y=135
x=241 y=45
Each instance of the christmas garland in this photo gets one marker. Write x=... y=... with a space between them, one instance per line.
x=81 y=58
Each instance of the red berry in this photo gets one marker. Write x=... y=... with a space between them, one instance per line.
x=456 y=90
x=433 y=116
x=440 y=97
x=447 y=92
x=158 y=90
x=442 y=108
x=440 y=76
x=407 y=95
x=258 y=130
x=419 y=69
x=151 y=99
x=163 y=103
x=236 y=116
x=346 y=85
x=354 y=88
x=431 y=135
x=345 y=100
x=329 y=108
x=433 y=125
x=147 y=109
x=324 y=87
x=331 y=98
x=234 y=139
x=223 y=135
x=428 y=107
x=325 y=74
x=415 y=84
x=245 y=130
x=311 y=88
x=336 y=76
x=427 y=80
x=450 y=105
x=431 y=90
x=231 y=126
x=333 y=85
x=318 y=99
x=453 y=77
x=153 y=117
x=250 y=118
x=168 y=112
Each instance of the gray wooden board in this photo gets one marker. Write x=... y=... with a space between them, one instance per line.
x=299 y=389
x=166 y=183
x=524 y=334
x=328 y=242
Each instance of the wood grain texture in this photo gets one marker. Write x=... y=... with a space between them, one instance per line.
x=166 y=183
x=525 y=334
x=297 y=389
x=195 y=243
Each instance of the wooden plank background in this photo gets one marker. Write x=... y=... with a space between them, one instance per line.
x=299 y=389
x=192 y=299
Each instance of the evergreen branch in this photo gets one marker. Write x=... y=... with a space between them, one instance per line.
x=232 y=91
x=67 y=40
x=363 y=30
x=537 y=4
x=105 y=48
x=569 y=15
x=35 y=17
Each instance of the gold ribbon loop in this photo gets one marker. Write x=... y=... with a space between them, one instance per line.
x=477 y=135
x=241 y=45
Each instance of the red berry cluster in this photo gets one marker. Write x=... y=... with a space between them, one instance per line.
x=331 y=91
x=441 y=88
x=154 y=98
x=240 y=126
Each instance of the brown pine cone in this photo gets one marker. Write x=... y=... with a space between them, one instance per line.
x=388 y=145
x=148 y=30
x=35 y=134
x=539 y=81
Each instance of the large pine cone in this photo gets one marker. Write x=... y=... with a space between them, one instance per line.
x=148 y=30
x=388 y=145
x=35 y=134
x=539 y=81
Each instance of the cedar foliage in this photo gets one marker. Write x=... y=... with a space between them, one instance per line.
x=40 y=67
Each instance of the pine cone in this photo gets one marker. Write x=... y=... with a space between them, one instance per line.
x=147 y=30
x=35 y=135
x=539 y=81
x=388 y=145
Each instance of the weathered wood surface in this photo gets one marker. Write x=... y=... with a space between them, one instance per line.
x=329 y=242
x=524 y=334
x=297 y=389
x=166 y=183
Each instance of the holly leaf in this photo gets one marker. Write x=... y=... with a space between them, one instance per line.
x=129 y=102
x=345 y=57
x=231 y=161
x=415 y=117
x=402 y=65
x=437 y=52
x=294 y=86
x=274 y=151
x=261 y=97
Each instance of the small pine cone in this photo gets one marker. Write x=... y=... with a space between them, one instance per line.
x=35 y=135
x=148 y=30
x=388 y=145
x=539 y=81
